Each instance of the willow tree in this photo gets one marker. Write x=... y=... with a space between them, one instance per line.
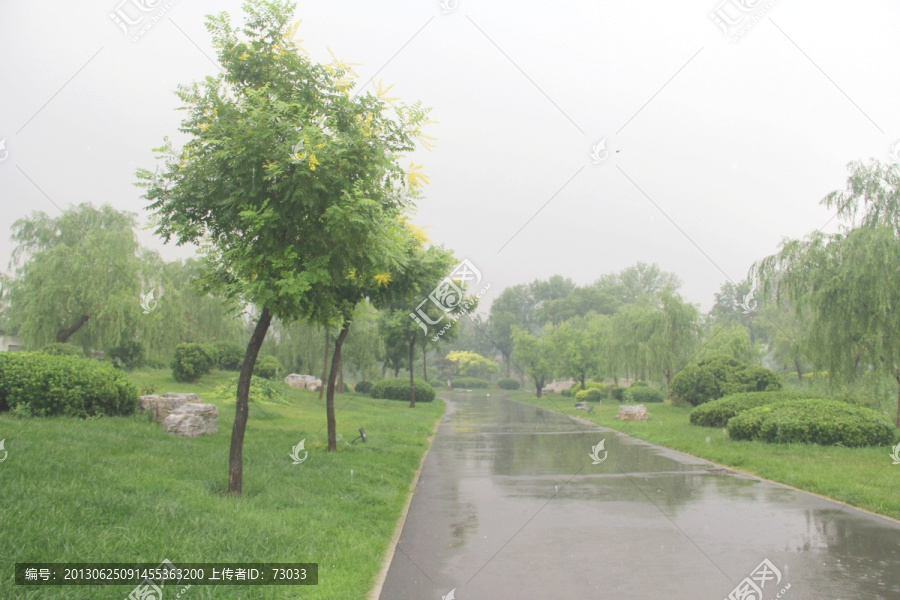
x=842 y=284
x=534 y=355
x=282 y=168
x=76 y=276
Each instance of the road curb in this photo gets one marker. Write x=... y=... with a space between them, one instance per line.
x=375 y=593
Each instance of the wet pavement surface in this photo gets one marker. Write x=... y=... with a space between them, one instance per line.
x=510 y=506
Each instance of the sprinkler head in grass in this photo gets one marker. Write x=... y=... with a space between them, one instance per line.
x=362 y=436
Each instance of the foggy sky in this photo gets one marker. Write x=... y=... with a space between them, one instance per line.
x=724 y=147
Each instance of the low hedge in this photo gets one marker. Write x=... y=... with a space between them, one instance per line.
x=825 y=422
x=576 y=387
x=466 y=383
x=229 y=355
x=362 y=387
x=192 y=361
x=717 y=412
x=397 y=388
x=268 y=367
x=508 y=383
x=590 y=395
x=617 y=392
x=62 y=349
x=642 y=395
x=40 y=384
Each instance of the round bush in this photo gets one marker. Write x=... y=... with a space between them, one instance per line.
x=590 y=395
x=617 y=392
x=229 y=356
x=718 y=376
x=508 y=383
x=363 y=387
x=825 y=422
x=397 y=388
x=58 y=349
x=467 y=383
x=717 y=412
x=643 y=395
x=128 y=355
x=268 y=367
x=192 y=361
x=576 y=387
x=39 y=384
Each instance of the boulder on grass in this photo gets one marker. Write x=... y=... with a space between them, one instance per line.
x=633 y=413
x=558 y=386
x=581 y=406
x=303 y=382
x=192 y=419
x=161 y=406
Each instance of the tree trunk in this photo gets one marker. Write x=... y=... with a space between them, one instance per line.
x=581 y=379
x=383 y=370
x=340 y=379
x=506 y=358
x=539 y=387
x=412 y=373
x=332 y=375
x=799 y=369
x=241 y=407
x=425 y=359
x=325 y=363
x=65 y=334
x=396 y=371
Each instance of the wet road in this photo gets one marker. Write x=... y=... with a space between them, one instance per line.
x=510 y=506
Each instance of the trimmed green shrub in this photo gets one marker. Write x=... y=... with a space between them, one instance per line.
x=38 y=384
x=58 y=349
x=467 y=383
x=825 y=422
x=397 y=388
x=508 y=383
x=127 y=355
x=718 y=376
x=192 y=361
x=617 y=392
x=642 y=395
x=268 y=367
x=640 y=383
x=229 y=356
x=363 y=387
x=717 y=412
x=590 y=395
x=576 y=387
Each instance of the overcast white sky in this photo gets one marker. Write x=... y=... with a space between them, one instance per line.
x=724 y=146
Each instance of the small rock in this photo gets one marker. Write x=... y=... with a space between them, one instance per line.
x=581 y=406
x=161 y=406
x=633 y=413
x=192 y=419
x=303 y=382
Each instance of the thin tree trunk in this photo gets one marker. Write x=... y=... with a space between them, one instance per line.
x=241 y=408
x=332 y=375
x=65 y=334
x=539 y=387
x=581 y=379
x=340 y=380
x=325 y=363
x=506 y=358
x=799 y=369
x=412 y=373
x=383 y=370
x=898 y=400
x=425 y=359
x=396 y=371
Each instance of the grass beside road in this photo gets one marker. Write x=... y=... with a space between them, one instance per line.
x=122 y=490
x=861 y=477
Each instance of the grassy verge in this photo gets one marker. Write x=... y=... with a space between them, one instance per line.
x=862 y=477
x=122 y=490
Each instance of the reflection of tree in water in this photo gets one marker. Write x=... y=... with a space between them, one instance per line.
x=465 y=522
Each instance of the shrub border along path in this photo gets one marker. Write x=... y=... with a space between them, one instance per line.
x=861 y=477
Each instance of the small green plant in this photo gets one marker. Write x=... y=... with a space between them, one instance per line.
x=643 y=395
x=590 y=395
x=148 y=389
x=362 y=387
x=508 y=383
x=268 y=367
x=192 y=361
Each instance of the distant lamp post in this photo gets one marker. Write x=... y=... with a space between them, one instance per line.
x=362 y=436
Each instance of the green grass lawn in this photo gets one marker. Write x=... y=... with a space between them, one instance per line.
x=862 y=477
x=122 y=490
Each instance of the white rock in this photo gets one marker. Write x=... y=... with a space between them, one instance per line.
x=192 y=419
x=633 y=413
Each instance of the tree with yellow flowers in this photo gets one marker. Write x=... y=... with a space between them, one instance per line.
x=289 y=183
